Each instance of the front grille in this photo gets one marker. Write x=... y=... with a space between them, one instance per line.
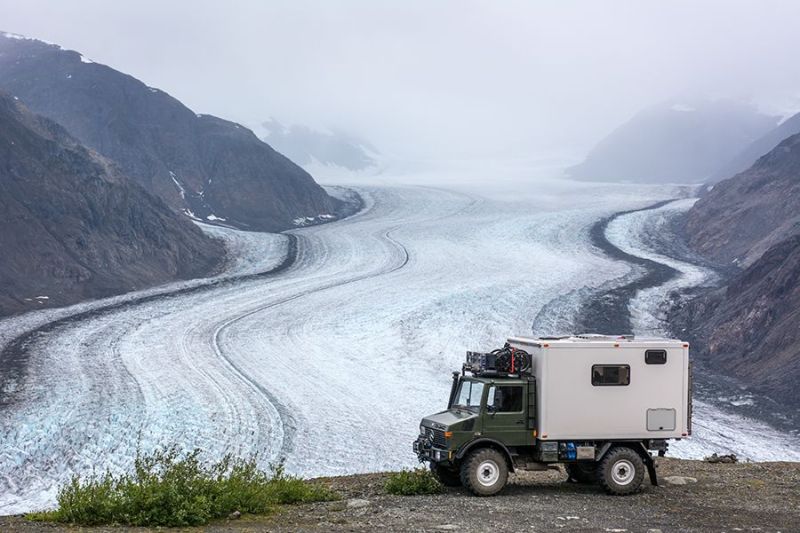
x=438 y=437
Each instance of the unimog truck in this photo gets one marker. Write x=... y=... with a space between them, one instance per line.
x=600 y=405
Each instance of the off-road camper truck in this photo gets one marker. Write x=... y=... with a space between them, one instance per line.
x=598 y=404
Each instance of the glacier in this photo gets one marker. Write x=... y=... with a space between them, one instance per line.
x=329 y=362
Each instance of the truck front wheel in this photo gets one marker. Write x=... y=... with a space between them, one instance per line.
x=484 y=472
x=449 y=477
x=621 y=471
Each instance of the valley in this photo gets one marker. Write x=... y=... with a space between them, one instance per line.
x=262 y=358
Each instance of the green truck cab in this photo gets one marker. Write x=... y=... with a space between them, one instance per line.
x=497 y=419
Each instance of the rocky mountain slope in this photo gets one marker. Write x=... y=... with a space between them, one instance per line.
x=760 y=147
x=750 y=327
x=740 y=218
x=674 y=143
x=72 y=227
x=198 y=164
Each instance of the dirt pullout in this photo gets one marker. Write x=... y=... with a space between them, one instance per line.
x=715 y=497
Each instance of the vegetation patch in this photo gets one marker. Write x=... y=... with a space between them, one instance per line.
x=170 y=488
x=413 y=482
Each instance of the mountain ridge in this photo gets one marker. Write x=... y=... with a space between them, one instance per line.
x=73 y=227
x=749 y=326
x=200 y=165
x=674 y=142
x=306 y=146
x=761 y=146
x=741 y=217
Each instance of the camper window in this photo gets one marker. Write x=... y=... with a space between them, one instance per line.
x=655 y=357
x=604 y=375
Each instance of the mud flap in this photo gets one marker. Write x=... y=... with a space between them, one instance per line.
x=651 y=469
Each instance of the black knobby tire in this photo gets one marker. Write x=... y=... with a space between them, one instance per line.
x=449 y=477
x=621 y=472
x=484 y=472
x=584 y=472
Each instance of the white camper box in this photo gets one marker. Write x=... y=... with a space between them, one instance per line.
x=582 y=395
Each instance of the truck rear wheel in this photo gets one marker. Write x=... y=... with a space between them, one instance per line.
x=449 y=477
x=484 y=472
x=585 y=472
x=621 y=472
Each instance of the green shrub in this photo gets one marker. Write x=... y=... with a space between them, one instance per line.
x=168 y=488
x=285 y=489
x=412 y=482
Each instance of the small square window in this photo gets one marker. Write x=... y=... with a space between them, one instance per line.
x=610 y=375
x=505 y=399
x=655 y=357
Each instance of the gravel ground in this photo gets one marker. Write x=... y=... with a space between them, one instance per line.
x=724 y=497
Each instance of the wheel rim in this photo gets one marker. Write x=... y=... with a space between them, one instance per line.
x=488 y=473
x=623 y=472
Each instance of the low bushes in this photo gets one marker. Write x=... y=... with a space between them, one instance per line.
x=169 y=488
x=413 y=482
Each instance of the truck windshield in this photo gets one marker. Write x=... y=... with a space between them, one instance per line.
x=469 y=395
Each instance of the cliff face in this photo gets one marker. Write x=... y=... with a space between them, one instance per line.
x=198 y=164
x=747 y=157
x=750 y=328
x=742 y=217
x=674 y=143
x=72 y=227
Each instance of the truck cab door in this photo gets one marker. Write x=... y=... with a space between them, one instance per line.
x=505 y=416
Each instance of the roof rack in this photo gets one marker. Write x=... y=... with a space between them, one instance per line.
x=601 y=337
x=505 y=361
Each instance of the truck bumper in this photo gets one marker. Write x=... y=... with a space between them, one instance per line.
x=425 y=451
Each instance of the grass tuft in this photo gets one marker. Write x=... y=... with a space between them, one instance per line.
x=413 y=482
x=170 y=488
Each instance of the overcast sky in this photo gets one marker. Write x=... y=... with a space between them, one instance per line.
x=452 y=79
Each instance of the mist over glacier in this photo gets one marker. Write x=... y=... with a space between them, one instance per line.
x=446 y=80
